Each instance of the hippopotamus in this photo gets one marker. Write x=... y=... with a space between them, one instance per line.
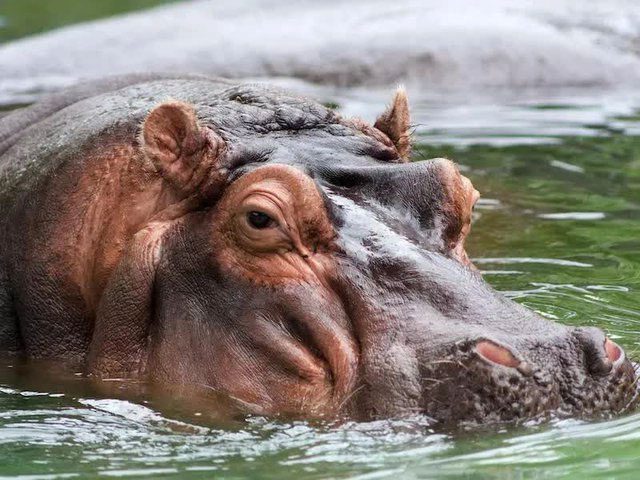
x=202 y=234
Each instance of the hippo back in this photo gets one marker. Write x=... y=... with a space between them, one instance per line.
x=15 y=123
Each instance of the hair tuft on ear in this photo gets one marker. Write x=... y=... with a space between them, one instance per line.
x=395 y=123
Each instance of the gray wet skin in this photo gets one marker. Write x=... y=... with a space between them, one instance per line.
x=113 y=261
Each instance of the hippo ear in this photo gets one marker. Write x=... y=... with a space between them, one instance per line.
x=395 y=123
x=182 y=151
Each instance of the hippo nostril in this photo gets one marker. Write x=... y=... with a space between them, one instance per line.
x=613 y=351
x=601 y=355
x=496 y=354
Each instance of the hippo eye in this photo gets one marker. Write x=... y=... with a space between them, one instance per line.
x=259 y=220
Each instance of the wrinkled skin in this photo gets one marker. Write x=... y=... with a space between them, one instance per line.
x=246 y=242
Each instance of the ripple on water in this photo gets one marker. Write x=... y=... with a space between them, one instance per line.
x=122 y=439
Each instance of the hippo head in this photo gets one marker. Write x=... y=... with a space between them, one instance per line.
x=307 y=268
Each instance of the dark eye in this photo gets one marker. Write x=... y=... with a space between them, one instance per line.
x=259 y=220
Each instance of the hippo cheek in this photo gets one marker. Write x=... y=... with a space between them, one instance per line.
x=284 y=351
x=246 y=301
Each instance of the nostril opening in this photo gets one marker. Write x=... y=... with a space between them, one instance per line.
x=613 y=351
x=601 y=355
x=494 y=353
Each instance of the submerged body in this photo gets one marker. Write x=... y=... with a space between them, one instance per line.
x=233 y=238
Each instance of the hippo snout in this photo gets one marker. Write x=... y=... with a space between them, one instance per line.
x=576 y=371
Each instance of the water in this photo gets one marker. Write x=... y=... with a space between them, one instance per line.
x=557 y=229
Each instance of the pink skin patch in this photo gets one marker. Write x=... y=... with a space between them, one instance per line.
x=614 y=352
x=496 y=354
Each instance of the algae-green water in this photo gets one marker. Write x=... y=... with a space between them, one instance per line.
x=557 y=229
